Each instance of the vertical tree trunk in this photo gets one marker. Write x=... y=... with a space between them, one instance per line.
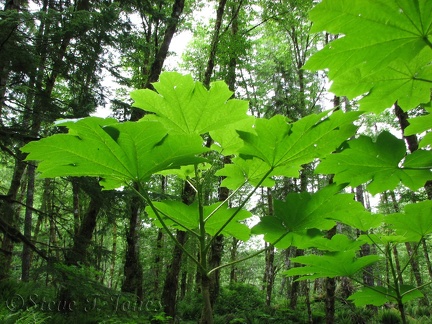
x=270 y=255
x=76 y=205
x=162 y=52
x=77 y=255
x=113 y=256
x=365 y=250
x=411 y=141
x=9 y=211
x=295 y=286
x=233 y=257
x=132 y=267
x=330 y=288
x=169 y=292
x=214 y=43
x=9 y=29
x=426 y=254
x=158 y=262
x=26 y=254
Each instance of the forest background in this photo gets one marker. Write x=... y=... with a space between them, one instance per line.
x=273 y=223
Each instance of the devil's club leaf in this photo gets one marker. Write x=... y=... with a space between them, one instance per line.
x=338 y=243
x=381 y=47
x=288 y=146
x=419 y=125
x=302 y=211
x=408 y=83
x=187 y=107
x=250 y=170
x=118 y=153
x=378 y=295
x=226 y=140
x=181 y=216
x=339 y=264
x=414 y=223
x=363 y=221
x=378 y=161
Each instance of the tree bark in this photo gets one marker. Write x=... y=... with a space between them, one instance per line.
x=214 y=43
x=169 y=292
x=411 y=141
x=270 y=255
x=132 y=267
x=9 y=211
x=233 y=271
x=162 y=52
x=330 y=288
x=26 y=254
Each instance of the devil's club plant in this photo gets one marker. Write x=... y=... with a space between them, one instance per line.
x=384 y=55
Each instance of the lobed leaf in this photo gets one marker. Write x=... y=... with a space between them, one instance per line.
x=286 y=147
x=304 y=211
x=339 y=264
x=383 y=51
x=119 y=153
x=378 y=295
x=187 y=107
x=377 y=162
x=182 y=216
x=414 y=223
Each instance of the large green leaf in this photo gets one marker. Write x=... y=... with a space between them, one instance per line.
x=414 y=223
x=187 y=107
x=181 y=216
x=251 y=170
x=378 y=162
x=289 y=146
x=119 y=153
x=337 y=243
x=420 y=124
x=378 y=295
x=226 y=140
x=363 y=221
x=303 y=211
x=338 y=264
x=385 y=49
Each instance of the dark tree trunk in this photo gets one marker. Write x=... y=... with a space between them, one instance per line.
x=216 y=253
x=330 y=288
x=162 y=52
x=214 y=43
x=169 y=292
x=132 y=267
x=295 y=286
x=270 y=269
x=28 y=221
x=365 y=250
x=9 y=213
x=158 y=261
x=233 y=271
x=411 y=141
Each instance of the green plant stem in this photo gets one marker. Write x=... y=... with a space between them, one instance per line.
x=416 y=288
x=178 y=223
x=373 y=288
x=248 y=257
x=414 y=252
x=239 y=208
x=223 y=202
x=144 y=196
x=397 y=287
x=427 y=41
x=202 y=231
